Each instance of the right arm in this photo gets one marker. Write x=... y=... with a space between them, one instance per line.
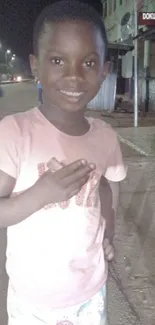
x=13 y=209
x=16 y=209
x=66 y=183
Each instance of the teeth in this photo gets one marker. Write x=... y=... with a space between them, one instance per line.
x=69 y=93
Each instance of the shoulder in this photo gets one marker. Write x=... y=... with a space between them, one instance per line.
x=8 y=126
x=105 y=132
x=108 y=142
x=16 y=123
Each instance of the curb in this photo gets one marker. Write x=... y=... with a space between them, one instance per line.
x=14 y=82
x=133 y=146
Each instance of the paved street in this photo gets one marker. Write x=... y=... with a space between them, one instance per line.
x=17 y=97
x=131 y=288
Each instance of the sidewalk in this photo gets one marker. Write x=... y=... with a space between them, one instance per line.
x=134 y=268
x=142 y=139
x=135 y=233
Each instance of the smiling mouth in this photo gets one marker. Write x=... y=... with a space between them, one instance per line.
x=72 y=94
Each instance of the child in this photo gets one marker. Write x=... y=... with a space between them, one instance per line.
x=55 y=166
x=39 y=88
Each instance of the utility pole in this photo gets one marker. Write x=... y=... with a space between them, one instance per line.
x=135 y=63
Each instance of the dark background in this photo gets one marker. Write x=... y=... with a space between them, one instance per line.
x=17 y=18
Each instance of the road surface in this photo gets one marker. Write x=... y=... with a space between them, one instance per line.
x=20 y=97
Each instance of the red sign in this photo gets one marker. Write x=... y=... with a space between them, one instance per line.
x=146 y=18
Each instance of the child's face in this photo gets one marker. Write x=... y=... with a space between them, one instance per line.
x=70 y=64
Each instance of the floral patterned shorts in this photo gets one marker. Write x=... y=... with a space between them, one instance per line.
x=92 y=312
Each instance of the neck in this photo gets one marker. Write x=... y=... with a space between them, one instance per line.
x=72 y=123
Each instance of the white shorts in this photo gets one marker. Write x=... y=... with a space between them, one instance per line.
x=92 y=312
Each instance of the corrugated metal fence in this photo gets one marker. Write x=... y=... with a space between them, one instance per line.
x=105 y=99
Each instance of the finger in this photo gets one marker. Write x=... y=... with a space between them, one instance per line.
x=73 y=167
x=73 y=193
x=108 y=249
x=55 y=165
x=75 y=189
x=110 y=256
x=58 y=163
x=106 y=243
x=109 y=253
x=78 y=185
x=79 y=175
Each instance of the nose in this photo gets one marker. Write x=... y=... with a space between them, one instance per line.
x=74 y=72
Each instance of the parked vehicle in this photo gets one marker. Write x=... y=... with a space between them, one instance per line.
x=17 y=78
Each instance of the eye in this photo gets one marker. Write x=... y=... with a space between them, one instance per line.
x=57 y=61
x=89 y=63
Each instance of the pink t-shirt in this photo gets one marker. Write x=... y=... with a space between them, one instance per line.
x=55 y=257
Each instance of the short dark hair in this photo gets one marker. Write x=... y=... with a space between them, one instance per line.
x=64 y=10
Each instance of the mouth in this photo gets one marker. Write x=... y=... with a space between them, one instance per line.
x=71 y=94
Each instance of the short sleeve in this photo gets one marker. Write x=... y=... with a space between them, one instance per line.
x=8 y=146
x=115 y=169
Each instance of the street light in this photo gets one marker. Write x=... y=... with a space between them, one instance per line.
x=6 y=55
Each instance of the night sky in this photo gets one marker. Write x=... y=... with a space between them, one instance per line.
x=17 y=19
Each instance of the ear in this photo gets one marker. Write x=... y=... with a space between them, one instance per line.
x=34 y=65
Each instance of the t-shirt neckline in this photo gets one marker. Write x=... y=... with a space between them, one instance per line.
x=63 y=133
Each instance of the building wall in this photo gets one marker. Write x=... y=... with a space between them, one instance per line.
x=116 y=9
x=112 y=17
